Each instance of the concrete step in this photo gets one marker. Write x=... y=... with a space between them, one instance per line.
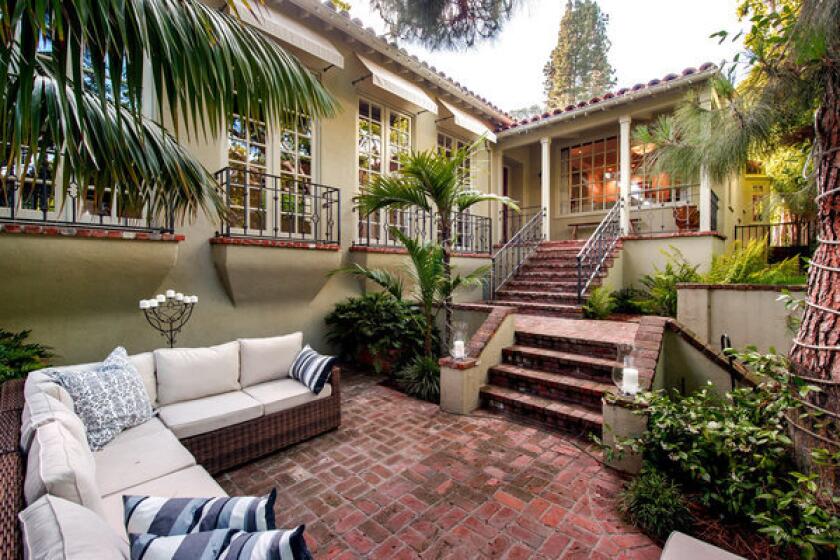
x=566 y=417
x=547 y=309
x=580 y=346
x=568 y=298
x=553 y=386
x=558 y=361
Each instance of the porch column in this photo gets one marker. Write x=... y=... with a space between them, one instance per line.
x=705 y=202
x=497 y=187
x=624 y=173
x=545 y=186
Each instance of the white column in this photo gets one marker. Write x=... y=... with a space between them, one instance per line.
x=496 y=187
x=705 y=200
x=545 y=186
x=624 y=173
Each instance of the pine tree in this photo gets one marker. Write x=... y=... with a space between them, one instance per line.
x=578 y=68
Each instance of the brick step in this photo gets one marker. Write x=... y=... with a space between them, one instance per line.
x=582 y=346
x=563 y=243
x=554 y=386
x=569 y=298
x=557 y=361
x=546 y=309
x=556 y=264
x=566 y=417
x=562 y=286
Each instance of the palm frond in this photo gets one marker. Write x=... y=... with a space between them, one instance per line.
x=387 y=280
x=391 y=191
x=467 y=199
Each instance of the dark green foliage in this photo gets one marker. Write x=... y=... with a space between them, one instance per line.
x=659 y=290
x=376 y=323
x=654 y=503
x=600 y=304
x=421 y=378
x=444 y=24
x=578 y=68
x=17 y=357
x=626 y=301
x=747 y=264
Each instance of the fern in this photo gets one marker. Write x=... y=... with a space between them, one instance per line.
x=600 y=304
x=747 y=264
x=17 y=357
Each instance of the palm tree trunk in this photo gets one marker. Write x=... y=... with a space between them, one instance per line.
x=816 y=354
x=445 y=236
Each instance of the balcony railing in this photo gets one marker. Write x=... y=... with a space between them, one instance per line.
x=470 y=233
x=673 y=209
x=36 y=201
x=278 y=207
x=782 y=234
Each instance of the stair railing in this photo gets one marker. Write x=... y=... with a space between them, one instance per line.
x=508 y=259
x=599 y=246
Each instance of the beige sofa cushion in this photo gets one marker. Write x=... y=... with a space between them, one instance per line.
x=39 y=409
x=60 y=465
x=193 y=482
x=55 y=529
x=266 y=359
x=284 y=394
x=145 y=364
x=185 y=374
x=204 y=415
x=39 y=382
x=150 y=426
x=135 y=461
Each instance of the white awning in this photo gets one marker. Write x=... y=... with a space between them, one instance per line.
x=468 y=122
x=390 y=82
x=291 y=32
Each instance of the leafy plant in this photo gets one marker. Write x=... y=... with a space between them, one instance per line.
x=747 y=264
x=626 y=301
x=18 y=357
x=655 y=503
x=379 y=324
x=600 y=303
x=659 y=290
x=421 y=378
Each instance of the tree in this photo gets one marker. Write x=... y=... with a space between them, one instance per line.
x=526 y=112
x=578 y=68
x=84 y=122
x=793 y=53
x=445 y=24
x=433 y=182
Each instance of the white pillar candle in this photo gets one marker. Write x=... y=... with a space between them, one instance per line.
x=179 y=296
x=160 y=297
x=630 y=381
x=153 y=303
x=170 y=293
x=144 y=304
x=458 y=351
x=195 y=299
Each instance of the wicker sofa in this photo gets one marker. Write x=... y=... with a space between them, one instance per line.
x=171 y=454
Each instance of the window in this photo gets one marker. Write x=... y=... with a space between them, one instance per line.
x=248 y=159
x=462 y=230
x=448 y=145
x=757 y=203
x=593 y=175
x=647 y=186
x=384 y=135
x=296 y=203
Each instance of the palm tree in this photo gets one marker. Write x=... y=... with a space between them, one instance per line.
x=791 y=93
x=435 y=183
x=75 y=74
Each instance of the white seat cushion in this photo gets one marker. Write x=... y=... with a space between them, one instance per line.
x=139 y=460
x=58 y=464
x=193 y=482
x=185 y=374
x=204 y=415
x=59 y=529
x=151 y=426
x=284 y=394
x=266 y=359
x=39 y=409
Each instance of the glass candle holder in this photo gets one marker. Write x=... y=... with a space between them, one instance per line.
x=626 y=376
x=459 y=340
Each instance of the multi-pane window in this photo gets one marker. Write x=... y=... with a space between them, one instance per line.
x=462 y=230
x=592 y=175
x=248 y=160
x=296 y=176
x=650 y=186
x=757 y=203
x=384 y=135
x=448 y=145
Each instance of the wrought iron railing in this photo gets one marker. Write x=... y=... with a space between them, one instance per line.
x=512 y=221
x=782 y=234
x=470 y=233
x=596 y=250
x=36 y=201
x=508 y=259
x=278 y=207
x=670 y=209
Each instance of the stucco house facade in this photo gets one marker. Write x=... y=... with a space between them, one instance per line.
x=74 y=268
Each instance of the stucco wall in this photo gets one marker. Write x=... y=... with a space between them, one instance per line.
x=750 y=315
x=643 y=256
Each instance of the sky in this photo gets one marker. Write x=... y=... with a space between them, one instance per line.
x=650 y=38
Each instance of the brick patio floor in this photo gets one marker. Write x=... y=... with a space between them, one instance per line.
x=402 y=479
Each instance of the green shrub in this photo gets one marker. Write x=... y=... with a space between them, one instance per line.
x=17 y=357
x=421 y=378
x=654 y=503
x=376 y=323
x=626 y=301
x=600 y=304
x=747 y=264
x=659 y=290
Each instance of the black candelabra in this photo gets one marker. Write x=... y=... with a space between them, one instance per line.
x=168 y=313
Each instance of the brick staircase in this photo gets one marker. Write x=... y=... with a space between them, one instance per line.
x=556 y=381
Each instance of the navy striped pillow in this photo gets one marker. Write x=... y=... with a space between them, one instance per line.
x=179 y=516
x=222 y=544
x=312 y=369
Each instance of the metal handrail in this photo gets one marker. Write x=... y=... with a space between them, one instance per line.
x=509 y=258
x=597 y=248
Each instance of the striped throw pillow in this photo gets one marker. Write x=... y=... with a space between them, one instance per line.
x=312 y=369
x=223 y=544
x=179 y=516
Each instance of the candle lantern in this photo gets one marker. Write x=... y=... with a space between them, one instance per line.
x=168 y=313
x=626 y=374
x=459 y=340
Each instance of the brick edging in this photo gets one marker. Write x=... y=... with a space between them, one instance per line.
x=277 y=243
x=743 y=287
x=402 y=251
x=479 y=339
x=90 y=233
x=647 y=346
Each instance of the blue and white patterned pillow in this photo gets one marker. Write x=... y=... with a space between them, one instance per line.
x=312 y=369
x=109 y=398
x=179 y=516
x=222 y=544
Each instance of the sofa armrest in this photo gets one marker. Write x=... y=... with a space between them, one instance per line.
x=335 y=380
